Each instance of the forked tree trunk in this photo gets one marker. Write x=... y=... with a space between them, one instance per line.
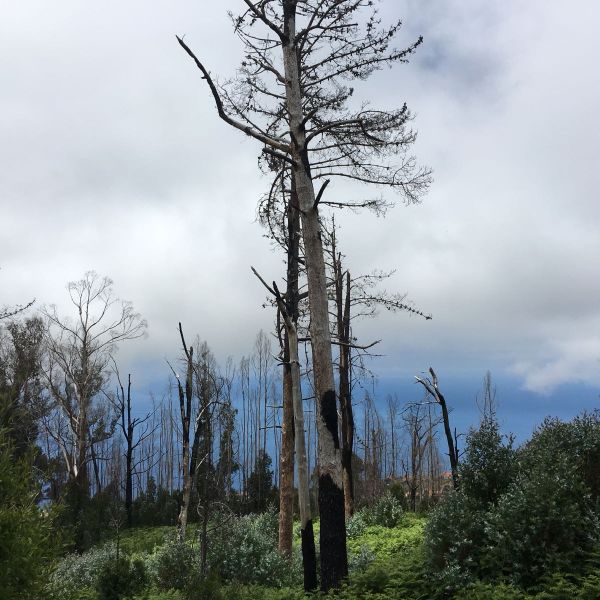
x=334 y=560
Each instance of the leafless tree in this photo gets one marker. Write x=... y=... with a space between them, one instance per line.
x=288 y=310
x=487 y=403
x=354 y=298
x=416 y=424
x=199 y=398
x=79 y=352
x=432 y=388
x=122 y=404
x=309 y=49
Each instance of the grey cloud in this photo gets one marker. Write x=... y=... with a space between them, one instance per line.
x=113 y=159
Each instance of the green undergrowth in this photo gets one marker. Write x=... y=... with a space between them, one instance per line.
x=385 y=563
x=143 y=540
x=384 y=542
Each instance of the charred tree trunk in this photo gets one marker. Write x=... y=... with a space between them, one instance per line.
x=128 y=458
x=286 y=461
x=343 y=328
x=432 y=388
x=334 y=560
x=185 y=410
x=309 y=560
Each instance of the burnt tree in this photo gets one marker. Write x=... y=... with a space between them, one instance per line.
x=309 y=48
x=432 y=388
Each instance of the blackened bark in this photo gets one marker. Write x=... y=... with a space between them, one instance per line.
x=452 y=453
x=334 y=562
x=128 y=457
x=331 y=502
x=432 y=387
x=286 y=460
x=286 y=490
x=185 y=410
x=330 y=416
x=309 y=557
x=343 y=327
x=128 y=486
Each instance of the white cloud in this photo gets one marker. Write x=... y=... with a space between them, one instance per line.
x=113 y=160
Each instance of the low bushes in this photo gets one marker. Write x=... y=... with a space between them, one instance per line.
x=244 y=549
x=521 y=515
x=98 y=574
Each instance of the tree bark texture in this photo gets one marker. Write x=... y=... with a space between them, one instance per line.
x=345 y=392
x=334 y=560
x=286 y=462
x=309 y=560
x=185 y=409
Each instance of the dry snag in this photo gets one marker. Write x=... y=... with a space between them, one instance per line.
x=291 y=97
x=431 y=386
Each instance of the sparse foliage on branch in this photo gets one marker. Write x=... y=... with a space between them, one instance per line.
x=292 y=94
x=79 y=353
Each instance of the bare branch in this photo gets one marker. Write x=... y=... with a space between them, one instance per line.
x=269 y=141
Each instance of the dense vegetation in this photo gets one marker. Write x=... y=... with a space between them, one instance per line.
x=524 y=524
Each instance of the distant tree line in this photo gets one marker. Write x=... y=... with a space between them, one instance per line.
x=213 y=439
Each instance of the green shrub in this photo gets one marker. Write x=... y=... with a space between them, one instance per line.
x=26 y=544
x=80 y=571
x=359 y=561
x=161 y=595
x=489 y=465
x=147 y=539
x=121 y=578
x=456 y=539
x=402 y=577
x=557 y=586
x=541 y=525
x=372 y=580
x=244 y=549
x=398 y=491
x=489 y=591
x=356 y=525
x=203 y=588
x=386 y=512
x=256 y=592
x=519 y=515
x=590 y=587
x=172 y=565
x=383 y=542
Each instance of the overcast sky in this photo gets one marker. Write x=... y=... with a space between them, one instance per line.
x=112 y=159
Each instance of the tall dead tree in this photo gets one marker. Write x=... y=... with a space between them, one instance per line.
x=290 y=347
x=354 y=298
x=288 y=310
x=415 y=421
x=198 y=396
x=432 y=388
x=128 y=426
x=309 y=48
x=79 y=352
x=189 y=452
